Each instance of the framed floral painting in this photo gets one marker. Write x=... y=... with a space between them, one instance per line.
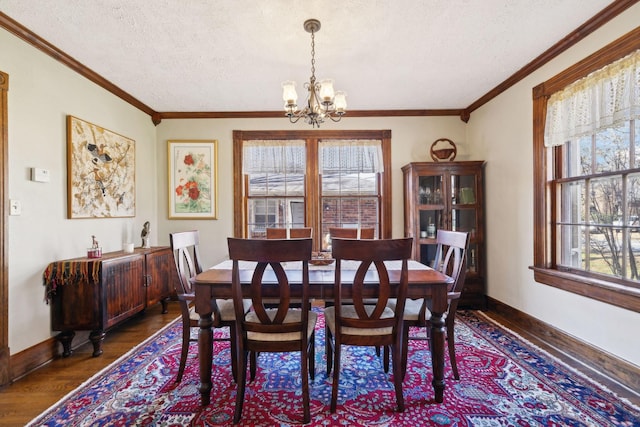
x=193 y=179
x=101 y=172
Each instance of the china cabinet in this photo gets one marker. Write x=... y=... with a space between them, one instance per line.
x=449 y=196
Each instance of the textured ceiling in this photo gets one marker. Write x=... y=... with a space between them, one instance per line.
x=232 y=55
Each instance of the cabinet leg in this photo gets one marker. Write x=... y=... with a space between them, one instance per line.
x=96 y=337
x=164 y=302
x=65 y=338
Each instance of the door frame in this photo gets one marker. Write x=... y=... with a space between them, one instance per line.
x=4 y=238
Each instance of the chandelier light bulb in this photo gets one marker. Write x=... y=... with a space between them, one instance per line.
x=326 y=90
x=289 y=94
x=340 y=102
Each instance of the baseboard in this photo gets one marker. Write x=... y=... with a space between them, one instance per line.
x=5 y=359
x=595 y=358
x=30 y=359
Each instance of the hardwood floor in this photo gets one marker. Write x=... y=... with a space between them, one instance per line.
x=26 y=398
x=29 y=396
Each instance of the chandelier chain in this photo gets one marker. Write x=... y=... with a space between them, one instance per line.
x=313 y=57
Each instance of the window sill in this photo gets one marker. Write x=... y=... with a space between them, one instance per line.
x=608 y=292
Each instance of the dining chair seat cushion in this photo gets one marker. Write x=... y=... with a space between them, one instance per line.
x=225 y=306
x=412 y=309
x=227 y=312
x=349 y=311
x=291 y=317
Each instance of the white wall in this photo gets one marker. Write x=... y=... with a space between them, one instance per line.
x=411 y=138
x=502 y=132
x=42 y=92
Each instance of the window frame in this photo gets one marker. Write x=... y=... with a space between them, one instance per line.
x=312 y=217
x=547 y=164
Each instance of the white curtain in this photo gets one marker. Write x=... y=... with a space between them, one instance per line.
x=604 y=98
x=268 y=156
x=351 y=156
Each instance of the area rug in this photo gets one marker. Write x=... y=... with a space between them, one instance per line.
x=505 y=381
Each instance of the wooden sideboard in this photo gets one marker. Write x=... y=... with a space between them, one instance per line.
x=96 y=294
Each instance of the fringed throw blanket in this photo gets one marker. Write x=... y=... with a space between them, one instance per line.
x=69 y=272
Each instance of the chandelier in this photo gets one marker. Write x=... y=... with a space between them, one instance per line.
x=322 y=101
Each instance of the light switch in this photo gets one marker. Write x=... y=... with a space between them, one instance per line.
x=15 y=207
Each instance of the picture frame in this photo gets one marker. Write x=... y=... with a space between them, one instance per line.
x=192 y=179
x=100 y=172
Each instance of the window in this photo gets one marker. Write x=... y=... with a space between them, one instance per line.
x=587 y=176
x=274 y=171
x=599 y=204
x=316 y=179
x=350 y=193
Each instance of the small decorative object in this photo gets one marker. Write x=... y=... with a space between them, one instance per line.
x=431 y=229
x=472 y=263
x=446 y=154
x=425 y=195
x=423 y=234
x=466 y=196
x=95 y=251
x=127 y=247
x=321 y=258
x=146 y=235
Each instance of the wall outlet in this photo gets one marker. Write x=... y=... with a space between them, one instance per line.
x=15 y=207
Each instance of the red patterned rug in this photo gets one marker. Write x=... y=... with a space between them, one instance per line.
x=505 y=381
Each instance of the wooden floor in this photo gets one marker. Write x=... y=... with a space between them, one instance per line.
x=25 y=399
x=28 y=397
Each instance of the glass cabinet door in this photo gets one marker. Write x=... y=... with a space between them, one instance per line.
x=431 y=220
x=463 y=189
x=464 y=220
x=430 y=190
x=431 y=211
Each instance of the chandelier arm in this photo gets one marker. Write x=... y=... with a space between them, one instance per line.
x=333 y=119
x=291 y=118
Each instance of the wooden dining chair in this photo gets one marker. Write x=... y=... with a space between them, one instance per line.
x=357 y=322
x=186 y=254
x=450 y=258
x=352 y=233
x=280 y=329
x=288 y=233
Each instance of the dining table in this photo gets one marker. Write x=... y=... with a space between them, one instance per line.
x=424 y=282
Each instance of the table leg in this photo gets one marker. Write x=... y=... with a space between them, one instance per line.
x=205 y=349
x=437 y=354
